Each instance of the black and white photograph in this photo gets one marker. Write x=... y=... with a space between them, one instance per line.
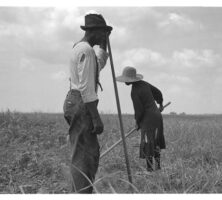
x=117 y=99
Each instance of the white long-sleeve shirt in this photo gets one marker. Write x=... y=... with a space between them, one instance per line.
x=83 y=68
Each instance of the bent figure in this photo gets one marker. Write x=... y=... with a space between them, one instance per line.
x=147 y=115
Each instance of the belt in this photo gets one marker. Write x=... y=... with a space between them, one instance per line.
x=74 y=91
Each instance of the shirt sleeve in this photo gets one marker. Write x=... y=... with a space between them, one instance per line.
x=86 y=74
x=157 y=95
x=138 y=107
x=102 y=57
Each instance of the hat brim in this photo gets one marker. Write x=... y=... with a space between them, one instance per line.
x=129 y=80
x=107 y=28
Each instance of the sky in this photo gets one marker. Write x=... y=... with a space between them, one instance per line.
x=177 y=49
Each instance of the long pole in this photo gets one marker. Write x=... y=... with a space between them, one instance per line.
x=119 y=113
x=120 y=140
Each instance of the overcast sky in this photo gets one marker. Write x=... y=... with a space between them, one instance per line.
x=177 y=49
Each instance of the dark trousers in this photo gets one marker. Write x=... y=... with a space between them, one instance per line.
x=84 y=144
x=149 y=148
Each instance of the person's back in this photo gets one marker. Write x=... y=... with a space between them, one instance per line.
x=144 y=96
x=144 y=92
x=78 y=50
x=82 y=52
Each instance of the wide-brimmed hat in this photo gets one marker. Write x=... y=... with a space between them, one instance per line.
x=129 y=75
x=95 y=21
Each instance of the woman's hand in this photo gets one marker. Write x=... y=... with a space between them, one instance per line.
x=137 y=127
x=161 y=108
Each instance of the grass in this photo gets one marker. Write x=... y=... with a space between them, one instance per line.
x=34 y=156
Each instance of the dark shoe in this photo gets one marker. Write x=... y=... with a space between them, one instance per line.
x=149 y=169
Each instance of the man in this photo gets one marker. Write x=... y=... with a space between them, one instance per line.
x=80 y=106
x=148 y=117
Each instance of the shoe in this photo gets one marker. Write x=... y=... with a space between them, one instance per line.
x=150 y=170
x=158 y=168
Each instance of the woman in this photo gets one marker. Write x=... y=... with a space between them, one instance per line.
x=147 y=115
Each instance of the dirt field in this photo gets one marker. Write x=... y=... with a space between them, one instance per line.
x=34 y=156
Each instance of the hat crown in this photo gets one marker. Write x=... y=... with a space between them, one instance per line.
x=94 y=20
x=129 y=72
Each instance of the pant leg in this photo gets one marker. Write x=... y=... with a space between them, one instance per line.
x=84 y=145
x=149 y=147
x=157 y=150
x=84 y=165
x=157 y=158
x=149 y=163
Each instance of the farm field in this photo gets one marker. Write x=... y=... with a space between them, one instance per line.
x=34 y=155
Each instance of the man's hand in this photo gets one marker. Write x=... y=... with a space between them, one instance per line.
x=104 y=39
x=103 y=43
x=108 y=34
x=98 y=126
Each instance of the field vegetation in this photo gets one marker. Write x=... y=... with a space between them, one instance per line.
x=35 y=155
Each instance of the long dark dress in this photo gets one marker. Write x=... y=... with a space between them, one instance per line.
x=148 y=117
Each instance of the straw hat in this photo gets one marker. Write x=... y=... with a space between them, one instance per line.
x=129 y=75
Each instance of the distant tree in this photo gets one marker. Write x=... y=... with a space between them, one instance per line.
x=173 y=113
x=183 y=113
